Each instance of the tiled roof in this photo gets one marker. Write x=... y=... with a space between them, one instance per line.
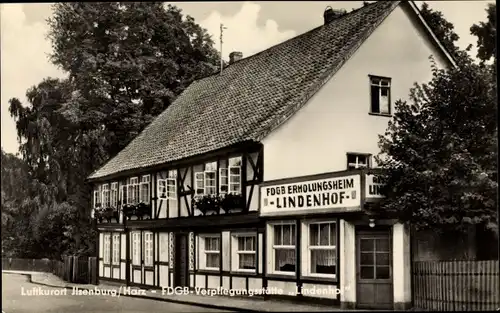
x=251 y=97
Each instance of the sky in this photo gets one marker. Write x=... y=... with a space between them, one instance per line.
x=251 y=27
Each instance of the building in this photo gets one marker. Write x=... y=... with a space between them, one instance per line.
x=257 y=177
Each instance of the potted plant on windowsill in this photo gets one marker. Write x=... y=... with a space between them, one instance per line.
x=98 y=212
x=128 y=210
x=143 y=209
x=206 y=203
x=231 y=201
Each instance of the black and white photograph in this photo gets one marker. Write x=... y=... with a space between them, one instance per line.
x=265 y=156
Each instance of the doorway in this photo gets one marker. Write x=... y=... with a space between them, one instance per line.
x=374 y=277
x=181 y=261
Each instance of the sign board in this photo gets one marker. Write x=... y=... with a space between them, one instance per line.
x=373 y=186
x=328 y=193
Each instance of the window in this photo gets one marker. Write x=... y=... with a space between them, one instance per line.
x=97 y=197
x=144 y=195
x=148 y=249
x=210 y=252
x=210 y=176
x=116 y=249
x=235 y=175
x=380 y=95
x=133 y=191
x=322 y=249
x=162 y=188
x=172 y=185
x=105 y=196
x=244 y=257
x=355 y=161
x=284 y=248
x=199 y=183
x=223 y=180
x=136 y=246
x=114 y=195
x=107 y=248
x=124 y=197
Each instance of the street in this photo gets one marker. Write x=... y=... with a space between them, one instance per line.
x=16 y=290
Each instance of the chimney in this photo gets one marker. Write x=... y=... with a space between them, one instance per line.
x=331 y=14
x=235 y=56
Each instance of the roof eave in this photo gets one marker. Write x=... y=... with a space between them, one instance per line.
x=437 y=42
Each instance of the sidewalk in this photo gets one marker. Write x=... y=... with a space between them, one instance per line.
x=213 y=302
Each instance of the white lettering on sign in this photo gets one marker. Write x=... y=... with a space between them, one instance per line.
x=373 y=186
x=337 y=192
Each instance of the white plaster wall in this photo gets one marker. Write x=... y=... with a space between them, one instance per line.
x=288 y=288
x=239 y=283
x=226 y=282
x=336 y=119
x=149 y=278
x=200 y=281
x=401 y=264
x=255 y=283
x=213 y=281
x=226 y=251
x=320 y=291
x=164 y=276
x=347 y=262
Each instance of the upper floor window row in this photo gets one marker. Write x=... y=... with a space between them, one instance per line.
x=380 y=91
x=228 y=175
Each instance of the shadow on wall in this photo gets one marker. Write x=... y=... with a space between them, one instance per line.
x=476 y=244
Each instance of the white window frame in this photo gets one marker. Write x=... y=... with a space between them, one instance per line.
x=377 y=82
x=114 y=195
x=162 y=188
x=210 y=169
x=97 y=198
x=124 y=194
x=171 y=185
x=145 y=181
x=136 y=248
x=107 y=249
x=307 y=248
x=148 y=248
x=235 y=258
x=236 y=184
x=357 y=164
x=106 y=201
x=133 y=190
x=203 y=253
x=116 y=249
x=199 y=183
x=221 y=183
x=273 y=247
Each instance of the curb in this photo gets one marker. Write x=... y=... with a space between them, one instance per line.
x=203 y=305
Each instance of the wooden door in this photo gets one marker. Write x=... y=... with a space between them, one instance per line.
x=181 y=261
x=374 y=270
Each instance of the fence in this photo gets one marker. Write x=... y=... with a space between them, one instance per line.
x=74 y=269
x=456 y=285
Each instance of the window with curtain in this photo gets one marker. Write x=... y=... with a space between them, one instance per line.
x=212 y=252
x=284 y=248
x=245 y=252
x=116 y=249
x=148 y=248
x=323 y=248
x=107 y=249
x=136 y=248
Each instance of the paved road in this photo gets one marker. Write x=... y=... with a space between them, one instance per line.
x=15 y=299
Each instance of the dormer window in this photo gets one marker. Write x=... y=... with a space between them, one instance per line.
x=358 y=160
x=380 y=89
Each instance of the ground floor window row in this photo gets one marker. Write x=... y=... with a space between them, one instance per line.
x=241 y=251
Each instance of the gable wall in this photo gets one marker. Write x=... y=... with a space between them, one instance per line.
x=336 y=119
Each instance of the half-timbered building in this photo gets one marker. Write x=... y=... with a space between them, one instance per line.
x=259 y=176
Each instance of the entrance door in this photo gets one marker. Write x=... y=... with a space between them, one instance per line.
x=374 y=270
x=181 y=261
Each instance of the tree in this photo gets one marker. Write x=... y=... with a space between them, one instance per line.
x=443 y=29
x=126 y=63
x=439 y=152
x=486 y=33
x=128 y=60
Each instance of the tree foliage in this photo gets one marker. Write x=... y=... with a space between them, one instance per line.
x=486 y=33
x=126 y=62
x=439 y=152
x=442 y=28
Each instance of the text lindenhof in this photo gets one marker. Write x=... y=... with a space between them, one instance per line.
x=338 y=192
